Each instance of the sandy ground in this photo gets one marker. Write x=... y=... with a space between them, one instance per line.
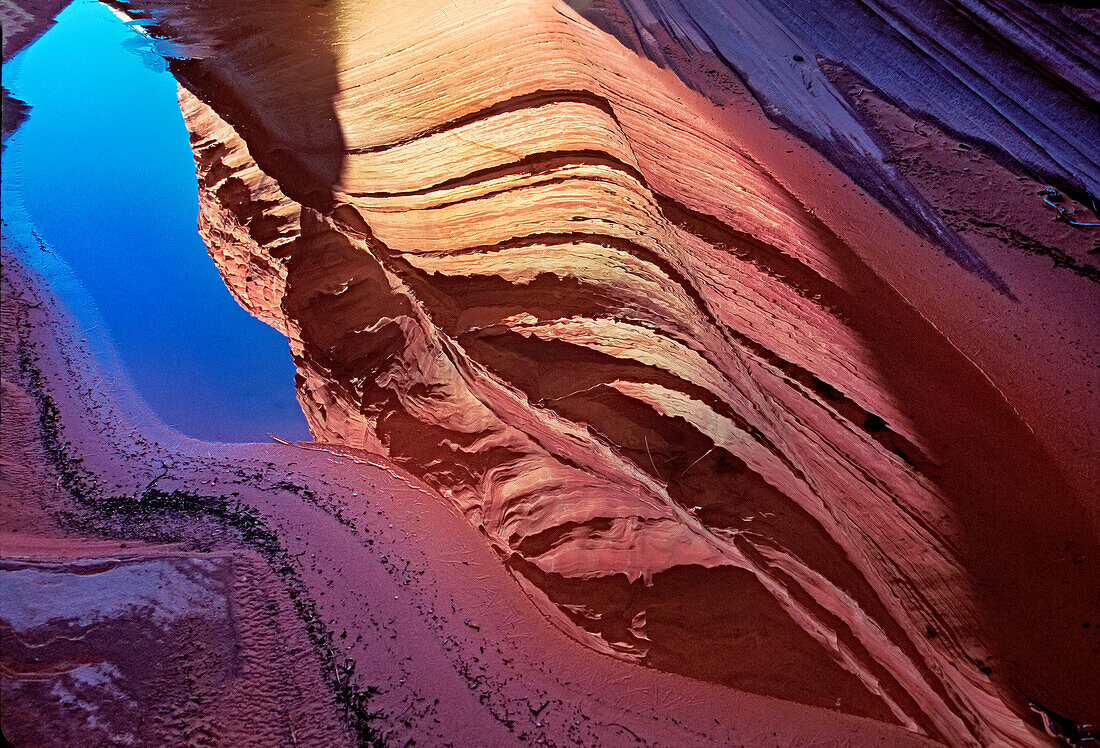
x=272 y=594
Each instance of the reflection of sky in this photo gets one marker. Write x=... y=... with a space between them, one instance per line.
x=107 y=177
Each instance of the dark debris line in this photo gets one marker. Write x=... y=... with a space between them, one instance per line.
x=152 y=503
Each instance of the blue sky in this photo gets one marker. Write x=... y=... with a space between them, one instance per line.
x=107 y=176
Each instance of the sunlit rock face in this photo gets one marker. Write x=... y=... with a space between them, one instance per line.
x=555 y=283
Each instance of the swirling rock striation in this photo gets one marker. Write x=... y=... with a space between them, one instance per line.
x=560 y=287
x=1019 y=77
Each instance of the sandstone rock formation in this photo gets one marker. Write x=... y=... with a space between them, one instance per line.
x=598 y=313
x=1020 y=78
x=25 y=20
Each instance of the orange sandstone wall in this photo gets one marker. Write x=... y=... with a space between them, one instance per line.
x=565 y=290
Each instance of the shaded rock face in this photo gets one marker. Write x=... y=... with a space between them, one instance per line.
x=1019 y=77
x=23 y=21
x=15 y=111
x=558 y=286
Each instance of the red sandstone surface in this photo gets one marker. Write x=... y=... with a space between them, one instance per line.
x=198 y=638
x=635 y=418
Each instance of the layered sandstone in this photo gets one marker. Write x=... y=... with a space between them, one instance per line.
x=600 y=317
x=1020 y=78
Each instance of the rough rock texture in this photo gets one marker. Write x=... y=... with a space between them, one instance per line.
x=360 y=598
x=15 y=111
x=601 y=316
x=1019 y=77
x=23 y=21
x=126 y=644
